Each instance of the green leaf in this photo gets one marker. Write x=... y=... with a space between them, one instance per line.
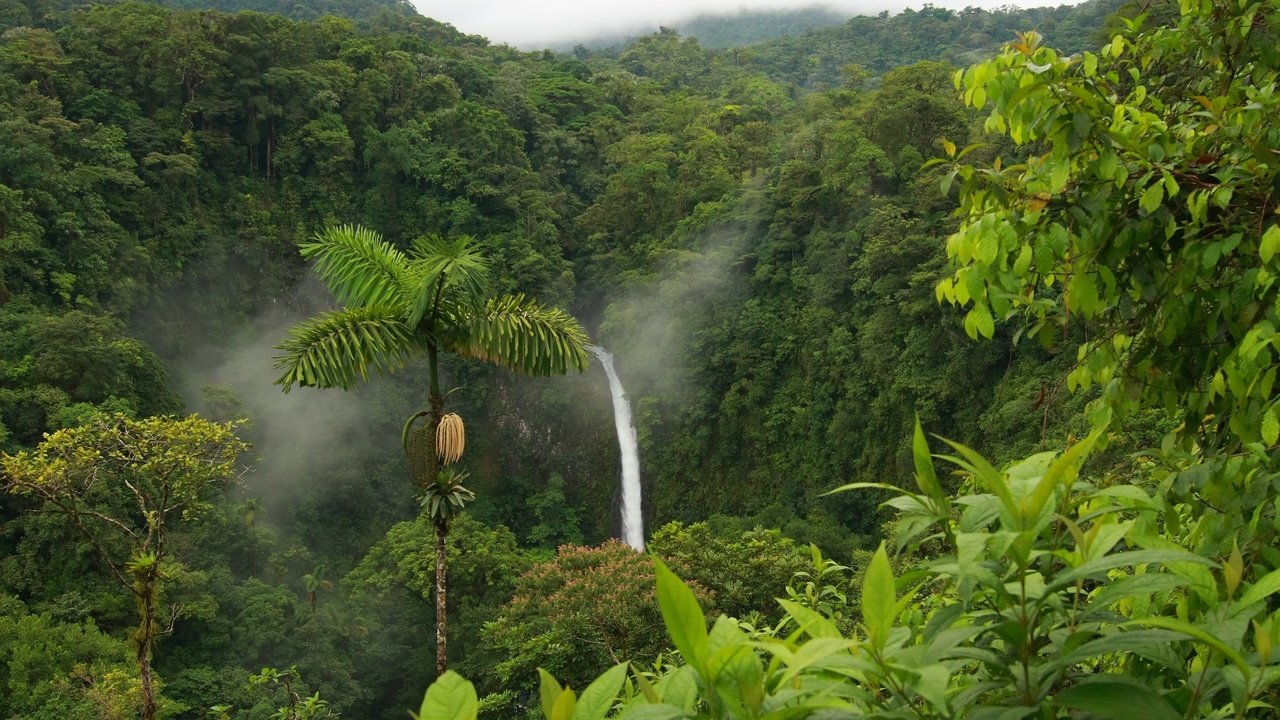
x=337 y=349
x=358 y=266
x=985 y=474
x=597 y=699
x=813 y=653
x=879 y=600
x=979 y=323
x=647 y=689
x=1111 y=698
x=932 y=685
x=1125 y=559
x=1143 y=585
x=1270 y=243
x=683 y=617
x=988 y=248
x=548 y=691
x=1151 y=197
x=1196 y=633
x=564 y=706
x=926 y=476
x=811 y=622
x=1061 y=473
x=869 y=486
x=1270 y=427
x=1267 y=586
x=450 y=697
x=680 y=688
x=1090 y=64
x=1233 y=570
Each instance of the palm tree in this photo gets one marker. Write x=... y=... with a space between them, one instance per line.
x=399 y=305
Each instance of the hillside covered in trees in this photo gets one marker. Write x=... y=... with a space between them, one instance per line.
x=800 y=253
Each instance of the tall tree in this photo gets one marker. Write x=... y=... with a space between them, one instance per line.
x=401 y=305
x=120 y=483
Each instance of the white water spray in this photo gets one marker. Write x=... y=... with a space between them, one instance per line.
x=632 y=521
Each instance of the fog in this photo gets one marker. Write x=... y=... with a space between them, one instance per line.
x=533 y=25
x=301 y=438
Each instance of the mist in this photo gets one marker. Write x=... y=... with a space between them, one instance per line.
x=655 y=327
x=532 y=26
x=301 y=439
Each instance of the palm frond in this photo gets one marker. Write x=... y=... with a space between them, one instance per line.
x=358 y=267
x=523 y=336
x=336 y=349
x=440 y=268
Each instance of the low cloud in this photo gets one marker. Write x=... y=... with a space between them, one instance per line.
x=532 y=25
x=299 y=437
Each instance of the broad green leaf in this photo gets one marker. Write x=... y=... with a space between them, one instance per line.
x=1132 y=493
x=680 y=688
x=724 y=633
x=1090 y=64
x=979 y=323
x=450 y=697
x=737 y=666
x=683 y=617
x=548 y=690
x=1151 y=197
x=1121 y=642
x=1111 y=698
x=1137 y=586
x=597 y=699
x=879 y=600
x=1270 y=243
x=814 y=652
x=564 y=706
x=931 y=684
x=1125 y=559
x=647 y=689
x=988 y=248
x=1196 y=633
x=809 y=621
x=1266 y=586
x=1270 y=427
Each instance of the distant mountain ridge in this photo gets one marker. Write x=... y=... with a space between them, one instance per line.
x=825 y=40
x=821 y=57
x=727 y=29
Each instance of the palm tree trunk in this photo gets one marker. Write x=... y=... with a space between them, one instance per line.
x=442 y=531
x=442 y=526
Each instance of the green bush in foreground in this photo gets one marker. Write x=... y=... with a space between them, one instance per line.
x=1055 y=595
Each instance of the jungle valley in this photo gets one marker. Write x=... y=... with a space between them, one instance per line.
x=949 y=342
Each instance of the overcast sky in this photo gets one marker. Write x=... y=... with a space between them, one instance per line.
x=531 y=24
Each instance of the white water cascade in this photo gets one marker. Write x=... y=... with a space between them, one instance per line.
x=632 y=520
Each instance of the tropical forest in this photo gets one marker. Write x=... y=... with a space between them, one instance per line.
x=769 y=365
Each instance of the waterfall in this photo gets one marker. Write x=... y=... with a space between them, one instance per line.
x=632 y=521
